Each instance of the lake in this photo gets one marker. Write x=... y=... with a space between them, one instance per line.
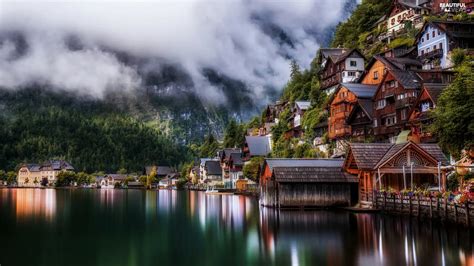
x=137 y=227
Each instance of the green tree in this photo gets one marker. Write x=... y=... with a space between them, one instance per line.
x=234 y=135
x=65 y=178
x=454 y=113
x=209 y=147
x=122 y=171
x=251 y=169
x=3 y=175
x=11 y=177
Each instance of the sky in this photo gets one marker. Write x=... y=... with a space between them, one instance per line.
x=226 y=36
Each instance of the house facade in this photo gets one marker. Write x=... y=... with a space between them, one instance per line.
x=339 y=66
x=420 y=118
x=341 y=104
x=393 y=100
x=437 y=39
x=360 y=120
x=34 y=175
x=212 y=175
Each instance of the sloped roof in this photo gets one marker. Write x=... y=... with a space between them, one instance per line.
x=408 y=79
x=313 y=174
x=372 y=155
x=346 y=54
x=366 y=105
x=367 y=155
x=204 y=160
x=117 y=176
x=290 y=162
x=213 y=168
x=236 y=158
x=161 y=170
x=327 y=52
x=303 y=105
x=434 y=90
x=225 y=153
x=259 y=145
x=361 y=90
x=435 y=151
x=33 y=167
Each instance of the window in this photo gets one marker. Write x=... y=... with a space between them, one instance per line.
x=353 y=63
x=376 y=74
x=422 y=52
x=427 y=36
x=392 y=83
x=381 y=103
x=393 y=21
x=351 y=73
x=375 y=122
x=399 y=18
x=425 y=106
x=434 y=47
x=403 y=114
x=433 y=34
x=422 y=39
x=441 y=46
x=439 y=32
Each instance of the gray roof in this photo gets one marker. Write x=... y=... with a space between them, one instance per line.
x=213 y=168
x=236 y=158
x=290 y=162
x=434 y=89
x=313 y=174
x=371 y=155
x=303 y=105
x=326 y=52
x=259 y=145
x=225 y=153
x=161 y=170
x=33 y=167
x=204 y=160
x=408 y=79
x=55 y=165
x=361 y=90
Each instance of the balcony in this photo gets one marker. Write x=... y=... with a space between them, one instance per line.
x=438 y=53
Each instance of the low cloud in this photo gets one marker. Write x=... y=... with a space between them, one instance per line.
x=229 y=37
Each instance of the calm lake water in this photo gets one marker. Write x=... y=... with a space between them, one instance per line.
x=134 y=227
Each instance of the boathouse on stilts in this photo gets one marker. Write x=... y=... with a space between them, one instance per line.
x=403 y=166
x=306 y=183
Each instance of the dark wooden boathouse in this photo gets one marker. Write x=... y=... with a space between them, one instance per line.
x=306 y=183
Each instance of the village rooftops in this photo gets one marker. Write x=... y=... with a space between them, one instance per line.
x=371 y=155
x=236 y=159
x=313 y=174
x=290 y=162
x=160 y=170
x=53 y=165
x=361 y=90
x=303 y=105
x=258 y=145
x=225 y=153
x=213 y=168
x=408 y=79
x=434 y=90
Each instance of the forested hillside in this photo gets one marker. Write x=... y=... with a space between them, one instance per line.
x=37 y=125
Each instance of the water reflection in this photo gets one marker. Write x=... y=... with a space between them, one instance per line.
x=135 y=227
x=32 y=203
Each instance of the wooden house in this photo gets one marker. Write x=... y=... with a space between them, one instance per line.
x=273 y=111
x=303 y=183
x=339 y=66
x=402 y=15
x=341 y=104
x=397 y=166
x=393 y=100
x=296 y=118
x=360 y=120
x=379 y=65
x=437 y=39
x=419 y=117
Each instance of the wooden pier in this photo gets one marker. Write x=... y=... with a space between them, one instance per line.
x=429 y=207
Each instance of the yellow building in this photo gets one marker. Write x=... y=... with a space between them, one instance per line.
x=32 y=175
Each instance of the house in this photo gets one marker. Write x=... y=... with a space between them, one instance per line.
x=379 y=65
x=212 y=173
x=289 y=183
x=273 y=111
x=397 y=166
x=235 y=165
x=257 y=146
x=403 y=15
x=202 y=168
x=339 y=66
x=35 y=175
x=225 y=157
x=341 y=104
x=392 y=102
x=360 y=120
x=419 y=117
x=437 y=39
x=112 y=180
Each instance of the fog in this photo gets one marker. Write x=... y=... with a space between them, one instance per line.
x=231 y=37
